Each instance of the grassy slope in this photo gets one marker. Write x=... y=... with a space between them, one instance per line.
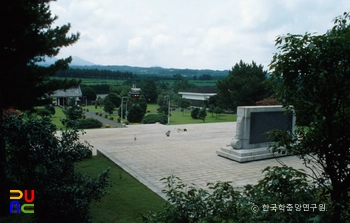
x=127 y=200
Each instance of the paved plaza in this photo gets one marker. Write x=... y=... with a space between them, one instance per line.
x=189 y=155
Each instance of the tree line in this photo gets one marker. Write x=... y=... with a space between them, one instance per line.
x=94 y=73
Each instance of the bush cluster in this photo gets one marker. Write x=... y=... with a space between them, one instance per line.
x=221 y=202
x=89 y=123
x=153 y=118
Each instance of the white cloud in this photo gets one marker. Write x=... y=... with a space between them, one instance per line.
x=188 y=34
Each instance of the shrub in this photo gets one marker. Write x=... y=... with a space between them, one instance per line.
x=106 y=115
x=153 y=118
x=194 y=113
x=89 y=123
x=111 y=118
x=43 y=112
x=107 y=126
x=48 y=165
x=100 y=114
x=51 y=109
x=221 y=202
x=136 y=113
x=96 y=113
x=109 y=107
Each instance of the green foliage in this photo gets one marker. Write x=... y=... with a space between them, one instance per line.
x=26 y=41
x=153 y=118
x=94 y=73
x=311 y=75
x=285 y=185
x=205 y=77
x=163 y=109
x=108 y=106
x=149 y=90
x=223 y=203
x=194 y=113
x=73 y=112
x=184 y=103
x=89 y=123
x=115 y=99
x=51 y=108
x=244 y=85
x=211 y=109
x=47 y=111
x=89 y=92
x=202 y=114
x=136 y=113
x=217 y=111
x=181 y=85
x=47 y=164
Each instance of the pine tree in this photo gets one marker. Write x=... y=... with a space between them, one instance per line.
x=27 y=38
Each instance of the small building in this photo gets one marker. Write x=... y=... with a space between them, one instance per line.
x=199 y=96
x=135 y=92
x=62 y=96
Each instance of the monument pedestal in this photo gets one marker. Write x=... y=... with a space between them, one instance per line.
x=246 y=155
x=250 y=142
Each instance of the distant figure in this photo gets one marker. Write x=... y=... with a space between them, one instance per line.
x=167 y=133
x=135 y=138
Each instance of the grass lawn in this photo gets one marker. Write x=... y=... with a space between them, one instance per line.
x=127 y=200
x=177 y=117
x=56 y=119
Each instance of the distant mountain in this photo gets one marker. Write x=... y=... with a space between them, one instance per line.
x=76 y=61
x=79 y=63
x=156 y=71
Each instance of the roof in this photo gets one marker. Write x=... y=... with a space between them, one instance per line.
x=204 y=89
x=71 y=92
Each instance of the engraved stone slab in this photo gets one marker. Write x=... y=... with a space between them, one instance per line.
x=262 y=122
x=250 y=142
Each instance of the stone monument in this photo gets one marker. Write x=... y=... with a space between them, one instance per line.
x=250 y=142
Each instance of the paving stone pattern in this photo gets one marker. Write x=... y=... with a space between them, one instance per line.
x=189 y=154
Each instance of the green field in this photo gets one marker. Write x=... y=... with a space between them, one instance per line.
x=91 y=81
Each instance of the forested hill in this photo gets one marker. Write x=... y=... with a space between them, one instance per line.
x=155 y=71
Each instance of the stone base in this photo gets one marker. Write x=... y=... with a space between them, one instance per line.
x=246 y=155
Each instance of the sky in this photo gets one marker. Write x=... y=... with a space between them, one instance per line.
x=194 y=34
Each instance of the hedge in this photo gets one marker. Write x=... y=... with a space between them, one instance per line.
x=89 y=123
x=153 y=118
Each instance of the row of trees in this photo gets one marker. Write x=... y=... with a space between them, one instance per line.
x=94 y=73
